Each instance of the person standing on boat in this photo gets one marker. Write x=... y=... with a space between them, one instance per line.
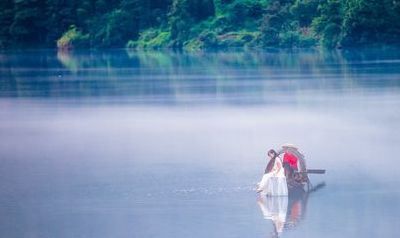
x=273 y=182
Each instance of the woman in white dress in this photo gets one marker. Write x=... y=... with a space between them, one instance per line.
x=273 y=182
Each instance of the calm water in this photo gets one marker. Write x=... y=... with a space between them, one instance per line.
x=160 y=144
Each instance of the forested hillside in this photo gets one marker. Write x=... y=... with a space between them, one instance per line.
x=196 y=24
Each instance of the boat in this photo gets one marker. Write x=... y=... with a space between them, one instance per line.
x=298 y=181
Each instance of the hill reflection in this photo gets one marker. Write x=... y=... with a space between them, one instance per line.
x=171 y=77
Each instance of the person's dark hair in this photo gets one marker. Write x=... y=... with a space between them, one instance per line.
x=272 y=161
x=271 y=151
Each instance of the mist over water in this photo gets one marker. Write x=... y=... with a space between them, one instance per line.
x=161 y=144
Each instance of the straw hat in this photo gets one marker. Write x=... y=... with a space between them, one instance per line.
x=288 y=145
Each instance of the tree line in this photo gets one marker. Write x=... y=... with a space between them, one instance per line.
x=197 y=24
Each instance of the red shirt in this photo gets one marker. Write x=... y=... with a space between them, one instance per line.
x=290 y=159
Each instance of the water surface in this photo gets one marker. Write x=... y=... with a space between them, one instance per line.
x=163 y=144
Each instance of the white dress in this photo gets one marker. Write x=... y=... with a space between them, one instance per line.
x=274 y=182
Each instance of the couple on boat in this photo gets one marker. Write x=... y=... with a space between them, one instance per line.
x=282 y=166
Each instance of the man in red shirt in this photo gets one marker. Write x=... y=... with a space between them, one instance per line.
x=291 y=160
x=290 y=164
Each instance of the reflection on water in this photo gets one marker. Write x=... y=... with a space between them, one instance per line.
x=165 y=77
x=286 y=212
x=274 y=208
x=163 y=144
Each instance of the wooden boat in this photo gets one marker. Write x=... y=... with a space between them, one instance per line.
x=298 y=180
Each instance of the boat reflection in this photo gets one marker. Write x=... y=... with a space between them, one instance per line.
x=286 y=212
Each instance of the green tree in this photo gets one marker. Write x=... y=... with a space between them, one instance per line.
x=85 y=12
x=154 y=13
x=329 y=22
x=6 y=19
x=29 y=23
x=304 y=11
x=72 y=39
x=244 y=12
x=276 y=20
x=180 y=22
x=118 y=28
x=61 y=15
x=370 y=21
x=184 y=14
x=201 y=9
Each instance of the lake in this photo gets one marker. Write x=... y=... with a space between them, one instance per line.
x=167 y=144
